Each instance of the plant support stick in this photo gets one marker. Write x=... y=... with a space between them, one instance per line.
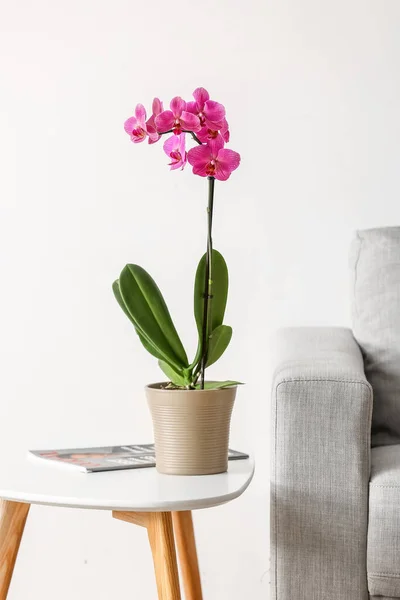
x=208 y=279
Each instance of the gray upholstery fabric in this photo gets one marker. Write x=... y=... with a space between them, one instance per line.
x=383 y=554
x=322 y=407
x=383 y=598
x=375 y=260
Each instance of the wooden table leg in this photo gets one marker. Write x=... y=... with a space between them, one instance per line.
x=161 y=537
x=187 y=553
x=12 y=522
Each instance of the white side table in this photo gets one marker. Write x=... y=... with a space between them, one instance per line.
x=161 y=503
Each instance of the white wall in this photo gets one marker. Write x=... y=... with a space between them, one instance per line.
x=312 y=91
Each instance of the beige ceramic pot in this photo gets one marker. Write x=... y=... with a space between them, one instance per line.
x=191 y=429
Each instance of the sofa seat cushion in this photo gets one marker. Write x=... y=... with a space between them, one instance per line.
x=383 y=550
x=375 y=263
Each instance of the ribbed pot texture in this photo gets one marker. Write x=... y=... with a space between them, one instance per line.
x=191 y=429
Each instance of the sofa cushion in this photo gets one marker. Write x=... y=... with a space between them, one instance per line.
x=375 y=260
x=383 y=546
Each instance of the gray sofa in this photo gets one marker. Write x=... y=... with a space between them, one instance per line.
x=335 y=493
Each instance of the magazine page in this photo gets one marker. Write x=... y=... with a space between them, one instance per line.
x=103 y=458
x=109 y=458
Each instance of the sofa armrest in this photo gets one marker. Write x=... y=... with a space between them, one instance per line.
x=322 y=407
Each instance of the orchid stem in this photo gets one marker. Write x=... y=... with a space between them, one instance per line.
x=194 y=136
x=207 y=281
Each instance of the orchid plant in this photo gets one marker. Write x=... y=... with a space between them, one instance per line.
x=136 y=292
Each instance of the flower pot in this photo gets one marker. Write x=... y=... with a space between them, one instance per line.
x=191 y=429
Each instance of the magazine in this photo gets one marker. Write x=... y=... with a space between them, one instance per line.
x=109 y=458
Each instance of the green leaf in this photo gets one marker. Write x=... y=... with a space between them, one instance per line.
x=146 y=343
x=149 y=346
x=118 y=297
x=218 y=343
x=146 y=308
x=217 y=385
x=146 y=304
x=176 y=378
x=218 y=290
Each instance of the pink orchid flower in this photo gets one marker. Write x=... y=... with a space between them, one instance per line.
x=213 y=160
x=178 y=118
x=210 y=113
x=225 y=131
x=150 y=124
x=136 y=126
x=206 y=134
x=174 y=147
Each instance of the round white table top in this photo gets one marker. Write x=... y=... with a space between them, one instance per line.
x=25 y=480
